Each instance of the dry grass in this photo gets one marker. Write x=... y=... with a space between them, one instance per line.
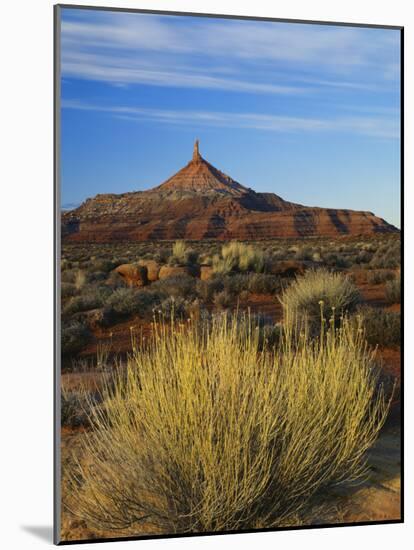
x=203 y=431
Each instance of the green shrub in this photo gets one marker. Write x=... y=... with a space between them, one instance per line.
x=67 y=290
x=393 y=291
x=174 y=308
x=316 y=292
x=364 y=257
x=257 y=283
x=263 y=283
x=115 y=281
x=183 y=286
x=92 y=297
x=181 y=255
x=207 y=289
x=125 y=302
x=378 y=277
x=75 y=408
x=223 y=299
x=74 y=336
x=336 y=260
x=162 y=255
x=68 y=275
x=304 y=253
x=388 y=255
x=382 y=328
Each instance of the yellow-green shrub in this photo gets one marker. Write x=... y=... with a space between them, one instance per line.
x=319 y=292
x=237 y=256
x=203 y=431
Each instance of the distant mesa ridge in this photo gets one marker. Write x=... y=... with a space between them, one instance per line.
x=201 y=202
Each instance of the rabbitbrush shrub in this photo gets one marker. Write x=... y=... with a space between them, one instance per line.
x=236 y=256
x=319 y=291
x=203 y=431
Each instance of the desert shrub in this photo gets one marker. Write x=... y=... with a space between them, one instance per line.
x=393 y=291
x=236 y=256
x=223 y=299
x=388 y=255
x=115 y=281
x=183 y=286
x=364 y=257
x=125 y=302
x=75 y=408
x=259 y=283
x=207 y=289
x=263 y=283
x=279 y=254
x=377 y=277
x=67 y=290
x=316 y=292
x=95 y=276
x=381 y=327
x=103 y=265
x=304 y=253
x=116 y=261
x=92 y=297
x=74 y=336
x=162 y=255
x=208 y=433
x=68 y=275
x=174 y=308
x=336 y=260
x=182 y=255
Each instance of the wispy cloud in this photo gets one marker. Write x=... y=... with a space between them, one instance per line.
x=243 y=56
x=373 y=126
x=133 y=71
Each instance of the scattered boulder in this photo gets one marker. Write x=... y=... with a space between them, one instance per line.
x=133 y=275
x=288 y=268
x=153 y=269
x=174 y=271
x=206 y=272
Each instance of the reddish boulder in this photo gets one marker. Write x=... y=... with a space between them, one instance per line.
x=133 y=275
x=153 y=269
x=173 y=271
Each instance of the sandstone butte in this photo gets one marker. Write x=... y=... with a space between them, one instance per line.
x=201 y=202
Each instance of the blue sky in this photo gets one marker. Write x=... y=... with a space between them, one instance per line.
x=309 y=112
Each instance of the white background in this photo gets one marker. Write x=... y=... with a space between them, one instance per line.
x=26 y=309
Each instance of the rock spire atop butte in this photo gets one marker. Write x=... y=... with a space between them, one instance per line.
x=196 y=153
x=199 y=176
